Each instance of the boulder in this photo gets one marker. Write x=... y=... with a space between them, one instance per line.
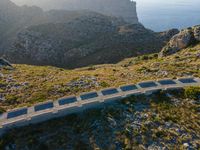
x=182 y=40
x=196 y=30
x=179 y=41
x=4 y=62
x=167 y=35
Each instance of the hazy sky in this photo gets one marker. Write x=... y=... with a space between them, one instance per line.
x=142 y=2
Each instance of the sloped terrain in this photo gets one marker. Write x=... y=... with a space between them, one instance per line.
x=27 y=85
x=14 y=18
x=166 y=120
x=71 y=39
x=87 y=40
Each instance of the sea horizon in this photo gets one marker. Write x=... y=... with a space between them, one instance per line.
x=163 y=15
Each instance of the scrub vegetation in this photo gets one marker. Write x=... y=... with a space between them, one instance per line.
x=164 y=120
x=26 y=85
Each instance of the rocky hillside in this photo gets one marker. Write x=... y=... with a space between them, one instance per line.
x=13 y=19
x=87 y=40
x=71 y=39
x=164 y=120
x=27 y=85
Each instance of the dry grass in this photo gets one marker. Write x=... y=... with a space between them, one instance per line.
x=26 y=85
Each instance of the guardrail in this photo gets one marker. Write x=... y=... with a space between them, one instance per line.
x=74 y=104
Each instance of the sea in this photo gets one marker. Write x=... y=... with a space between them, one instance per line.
x=160 y=15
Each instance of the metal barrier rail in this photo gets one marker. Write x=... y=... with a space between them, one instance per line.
x=74 y=104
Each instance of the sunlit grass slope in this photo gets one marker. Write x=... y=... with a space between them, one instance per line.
x=27 y=85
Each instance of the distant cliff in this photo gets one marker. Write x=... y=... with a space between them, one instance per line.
x=125 y=9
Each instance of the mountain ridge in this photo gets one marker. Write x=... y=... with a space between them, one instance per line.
x=17 y=18
x=33 y=38
x=125 y=9
x=83 y=41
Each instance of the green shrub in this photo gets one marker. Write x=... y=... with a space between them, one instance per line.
x=160 y=134
x=11 y=99
x=192 y=93
x=155 y=55
x=104 y=84
x=3 y=84
x=144 y=57
x=64 y=90
x=143 y=68
x=2 y=110
x=170 y=117
x=38 y=97
x=1 y=91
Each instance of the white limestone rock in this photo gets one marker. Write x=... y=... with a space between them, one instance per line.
x=196 y=30
x=182 y=40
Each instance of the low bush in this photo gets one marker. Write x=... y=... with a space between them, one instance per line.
x=11 y=99
x=192 y=93
x=104 y=84
x=2 y=110
x=3 y=84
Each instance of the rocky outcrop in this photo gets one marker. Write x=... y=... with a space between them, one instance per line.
x=182 y=40
x=4 y=63
x=196 y=31
x=167 y=35
x=125 y=9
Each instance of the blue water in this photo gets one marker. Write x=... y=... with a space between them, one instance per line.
x=160 y=15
